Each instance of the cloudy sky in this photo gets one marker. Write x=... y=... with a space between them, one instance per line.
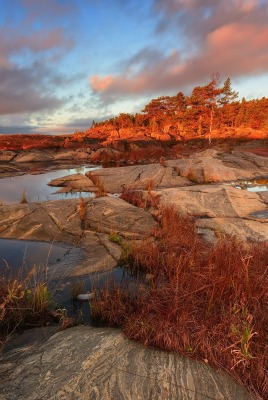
x=64 y=63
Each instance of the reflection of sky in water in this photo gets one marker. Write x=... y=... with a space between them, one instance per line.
x=261 y=188
x=18 y=257
x=36 y=186
x=255 y=185
x=21 y=255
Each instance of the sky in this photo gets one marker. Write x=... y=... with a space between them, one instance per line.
x=65 y=63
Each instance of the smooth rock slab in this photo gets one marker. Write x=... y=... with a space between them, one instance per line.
x=101 y=364
x=75 y=182
x=110 y=214
x=215 y=166
x=220 y=208
x=139 y=177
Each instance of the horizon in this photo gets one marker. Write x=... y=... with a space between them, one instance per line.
x=66 y=63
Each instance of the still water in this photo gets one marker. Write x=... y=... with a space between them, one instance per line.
x=254 y=185
x=36 y=186
x=51 y=264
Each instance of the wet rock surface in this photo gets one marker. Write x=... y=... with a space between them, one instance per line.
x=96 y=363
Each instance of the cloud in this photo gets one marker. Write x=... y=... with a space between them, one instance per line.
x=233 y=41
x=28 y=59
x=7 y=130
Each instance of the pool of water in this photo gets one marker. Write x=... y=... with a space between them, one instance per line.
x=51 y=263
x=19 y=257
x=254 y=185
x=35 y=186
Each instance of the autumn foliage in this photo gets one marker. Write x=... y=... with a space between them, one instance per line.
x=212 y=107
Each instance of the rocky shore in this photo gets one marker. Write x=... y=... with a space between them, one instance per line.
x=96 y=363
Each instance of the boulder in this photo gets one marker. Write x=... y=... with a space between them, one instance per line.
x=75 y=182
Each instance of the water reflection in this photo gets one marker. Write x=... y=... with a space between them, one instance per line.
x=36 y=188
x=254 y=185
x=18 y=257
x=53 y=264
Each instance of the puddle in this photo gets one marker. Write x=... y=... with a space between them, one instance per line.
x=18 y=257
x=254 y=185
x=36 y=186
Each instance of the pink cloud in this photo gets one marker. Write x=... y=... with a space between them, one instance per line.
x=232 y=50
x=99 y=84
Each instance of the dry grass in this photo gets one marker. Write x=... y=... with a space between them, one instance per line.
x=101 y=191
x=82 y=209
x=24 y=199
x=208 y=302
x=141 y=199
x=23 y=303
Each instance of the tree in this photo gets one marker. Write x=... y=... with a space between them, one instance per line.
x=228 y=95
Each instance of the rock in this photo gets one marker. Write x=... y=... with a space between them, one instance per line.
x=72 y=155
x=6 y=156
x=33 y=156
x=214 y=166
x=76 y=182
x=101 y=363
x=85 y=296
x=223 y=209
x=59 y=221
x=111 y=214
x=138 y=177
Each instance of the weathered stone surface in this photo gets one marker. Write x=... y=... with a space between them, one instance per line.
x=72 y=155
x=59 y=221
x=6 y=155
x=223 y=209
x=100 y=363
x=138 y=177
x=33 y=156
x=215 y=166
x=76 y=182
x=109 y=214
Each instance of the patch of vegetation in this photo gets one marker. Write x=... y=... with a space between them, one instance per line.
x=207 y=302
x=23 y=303
x=115 y=238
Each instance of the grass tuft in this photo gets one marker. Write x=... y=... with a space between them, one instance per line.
x=24 y=199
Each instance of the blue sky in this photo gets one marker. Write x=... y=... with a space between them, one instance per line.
x=64 y=63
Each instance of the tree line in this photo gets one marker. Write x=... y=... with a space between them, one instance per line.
x=210 y=107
